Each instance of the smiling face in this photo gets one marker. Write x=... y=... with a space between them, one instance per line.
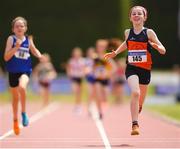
x=138 y=15
x=19 y=27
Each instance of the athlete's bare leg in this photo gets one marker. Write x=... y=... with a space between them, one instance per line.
x=133 y=82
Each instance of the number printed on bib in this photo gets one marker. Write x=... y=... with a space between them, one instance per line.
x=22 y=53
x=137 y=56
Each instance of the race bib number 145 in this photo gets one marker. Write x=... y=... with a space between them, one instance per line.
x=137 y=56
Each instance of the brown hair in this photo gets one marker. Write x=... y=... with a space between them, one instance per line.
x=142 y=8
x=114 y=43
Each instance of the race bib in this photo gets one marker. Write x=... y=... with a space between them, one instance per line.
x=22 y=53
x=137 y=56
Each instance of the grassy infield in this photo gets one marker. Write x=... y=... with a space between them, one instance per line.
x=172 y=111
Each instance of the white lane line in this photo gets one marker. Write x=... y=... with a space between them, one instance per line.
x=99 y=125
x=84 y=139
x=49 y=109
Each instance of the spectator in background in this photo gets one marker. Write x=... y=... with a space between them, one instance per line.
x=44 y=73
x=75 y=71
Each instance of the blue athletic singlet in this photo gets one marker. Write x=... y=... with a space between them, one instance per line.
x=21 y=60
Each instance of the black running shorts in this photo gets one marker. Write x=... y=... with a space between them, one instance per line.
x=14 y=78
x=143 y=74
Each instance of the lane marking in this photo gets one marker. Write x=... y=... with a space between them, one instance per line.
x=85 y=141
x=159 y=139
x=47 y=110
x=99 y=125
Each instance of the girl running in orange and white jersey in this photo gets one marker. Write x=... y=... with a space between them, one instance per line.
x=138 y=41
x=75 y=71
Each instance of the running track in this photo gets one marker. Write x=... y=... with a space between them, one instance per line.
x=57 y=126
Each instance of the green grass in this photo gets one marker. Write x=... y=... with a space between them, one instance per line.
x=171 y=111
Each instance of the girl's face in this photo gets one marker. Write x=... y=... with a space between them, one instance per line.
x=19 y=28
x=137 y=16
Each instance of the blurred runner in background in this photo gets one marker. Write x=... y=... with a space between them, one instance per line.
x=89 y=65
x=44 y=73
x=103 y=71
x=118 y=79
x=76 y=72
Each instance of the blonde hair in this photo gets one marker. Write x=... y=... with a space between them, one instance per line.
x=144 y=10
x=17 y=19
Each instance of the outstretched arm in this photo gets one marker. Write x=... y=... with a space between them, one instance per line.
x=154 y=41
x=120 y=49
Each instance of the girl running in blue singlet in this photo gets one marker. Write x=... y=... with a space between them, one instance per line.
x=18 y=65
x=138 y=42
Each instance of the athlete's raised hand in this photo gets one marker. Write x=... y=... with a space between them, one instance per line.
x=18 y=43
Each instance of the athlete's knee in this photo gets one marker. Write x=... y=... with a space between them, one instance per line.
x=136 y=94
x=22 y=88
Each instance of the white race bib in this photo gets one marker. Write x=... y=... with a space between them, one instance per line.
x=137 y=56
x=22 y=53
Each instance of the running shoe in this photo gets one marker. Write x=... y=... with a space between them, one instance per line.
x=135 y=130
x=16 y=127
x=25 y=119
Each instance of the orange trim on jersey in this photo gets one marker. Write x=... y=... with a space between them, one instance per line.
x=135 y=45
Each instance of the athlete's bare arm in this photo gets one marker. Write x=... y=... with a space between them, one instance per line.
x=9 y=51
x=154 y=41
x=120 y=49
x=33 y=49
x=123 y=46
